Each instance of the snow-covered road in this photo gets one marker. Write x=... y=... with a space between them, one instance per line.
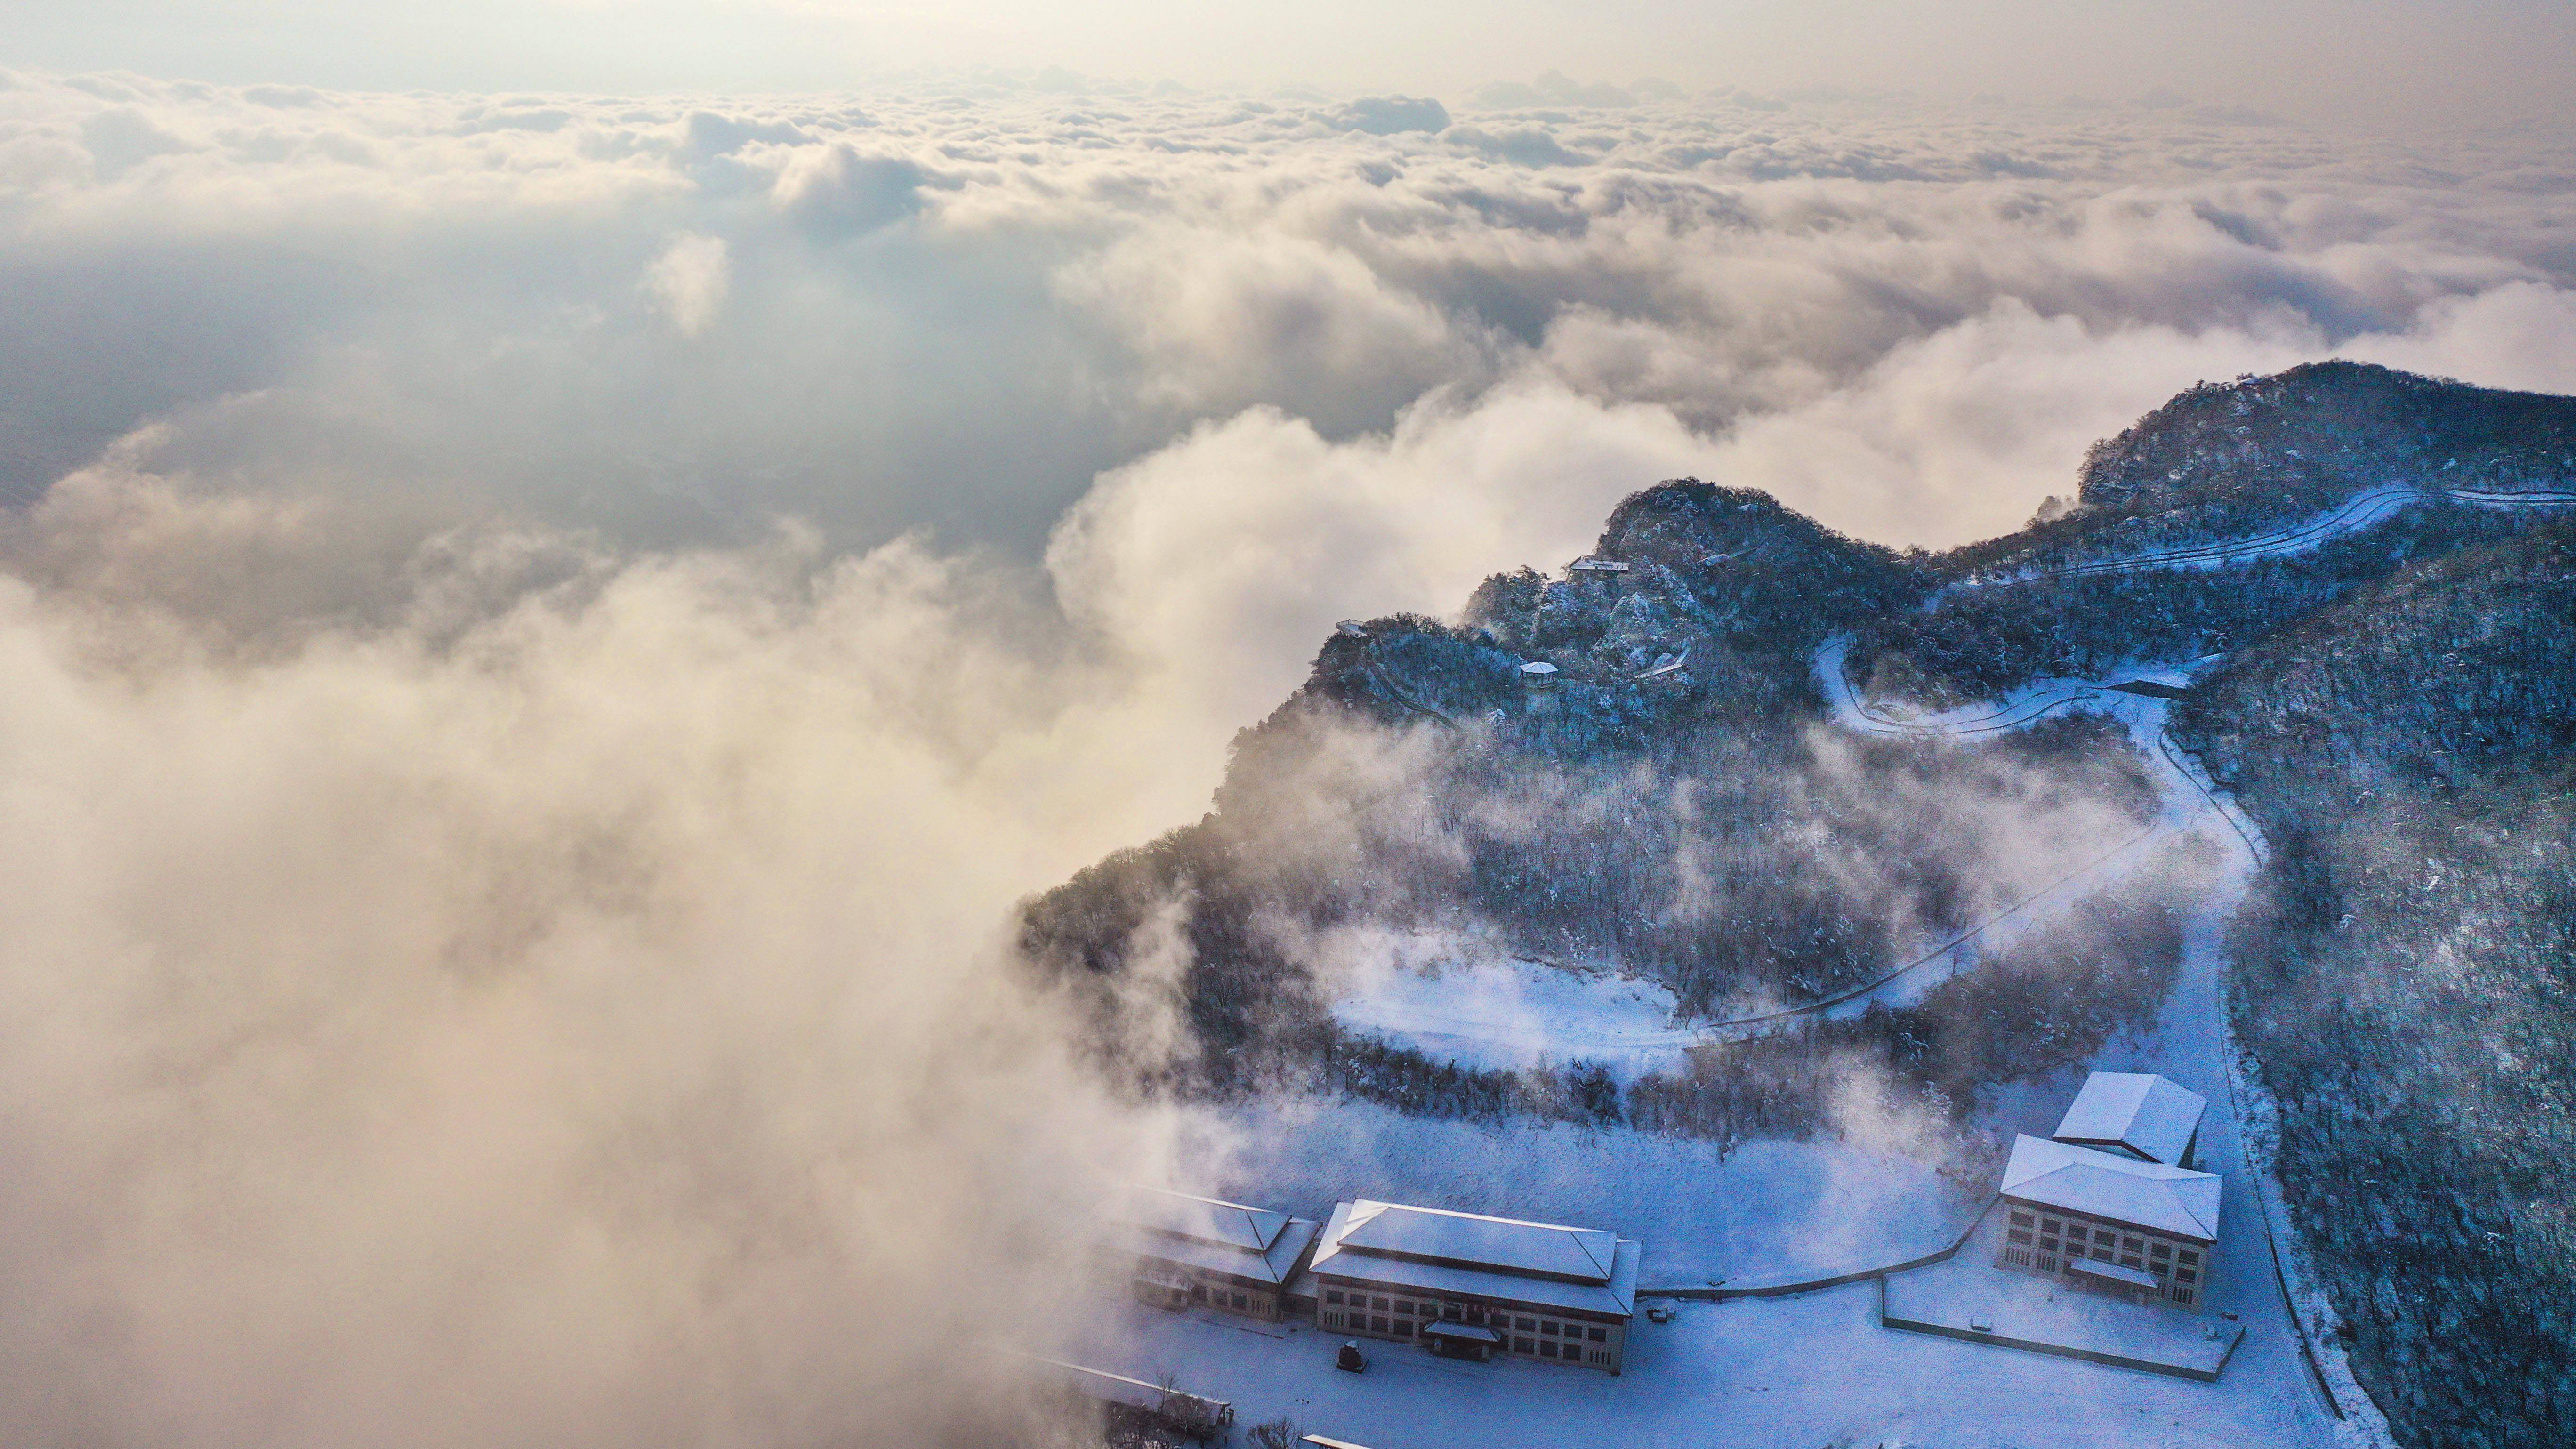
x=2354 y=514
x=1817 y=1368
x=2259 y=1273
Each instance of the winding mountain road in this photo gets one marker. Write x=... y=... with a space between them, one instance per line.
x=2354 y=514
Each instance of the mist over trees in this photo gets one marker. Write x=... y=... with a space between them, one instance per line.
x=2396 y=706
x=1666 y=804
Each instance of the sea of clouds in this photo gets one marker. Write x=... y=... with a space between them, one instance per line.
x=541 y=636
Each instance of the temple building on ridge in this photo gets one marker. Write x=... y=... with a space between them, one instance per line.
x=2108 y=1203
x=1468 y=1286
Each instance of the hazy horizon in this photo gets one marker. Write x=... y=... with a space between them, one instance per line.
x=564 y=570
x=2471 y=62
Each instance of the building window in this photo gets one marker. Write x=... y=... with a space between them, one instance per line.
x=1403 y=1328
x=2182 y=1296
x=1332 y=1295
x=1524 y=1345
x=1547 y=1326
x=1378 y=1304
x=2018 y=1235
x=1547 y=1348
x=2190 y=1259
x=2049 y=1225
x=1241 y=1301
x=1524 y=1325
x=2160 y=1250
x=1453 y=1311
x=2047 y=1265
x=1332 y=1320
x=2186 y=1275
x=1600 y=1335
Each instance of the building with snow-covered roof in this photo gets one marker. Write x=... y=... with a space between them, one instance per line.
x=2139 y=1114
x=1199 y=1252
x=2116 y=1224
x=1469 y=1286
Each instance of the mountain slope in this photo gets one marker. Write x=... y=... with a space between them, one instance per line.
x=2386 y=682
x=2407 y=971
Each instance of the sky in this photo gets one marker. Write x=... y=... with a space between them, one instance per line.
x=563 y=568
x=2463 y=61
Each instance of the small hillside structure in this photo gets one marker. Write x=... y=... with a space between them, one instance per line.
x=1199 y=1252
x=1468 y=1286
x=2141 y=1231
x=2135 y=1114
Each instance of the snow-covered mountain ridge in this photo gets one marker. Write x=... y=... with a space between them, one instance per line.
x=2370 y=579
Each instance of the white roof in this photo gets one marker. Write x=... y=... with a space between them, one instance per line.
x=1582 y=1269
x=1538 y=666
x=2104 y=1184
x=1205 y=1219
x=1472 y=1240
x=2149 y=1115
x=1220 y=1237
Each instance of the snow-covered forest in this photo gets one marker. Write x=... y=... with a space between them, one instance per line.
x=2389 y=692
x=2408 y=975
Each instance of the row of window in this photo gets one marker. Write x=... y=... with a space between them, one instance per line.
x=2130 y=1250
x=2179 y=1290
x=1386 y=1313
x=1571 y=1353
x=1569 y=1347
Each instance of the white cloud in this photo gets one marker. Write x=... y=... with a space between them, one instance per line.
x=689 y=280
x=480 y=869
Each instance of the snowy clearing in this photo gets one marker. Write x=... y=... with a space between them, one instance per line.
x=1812 y=1368
x=1816 y=1367
x=1514 y=1013
x=1766 y=1213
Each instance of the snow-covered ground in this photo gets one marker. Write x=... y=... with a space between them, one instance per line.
x=1750 y=1374
x=1810 y=1369
x=2191 y=1043
x=1766 y=1213
x=1514 y=1012
x=1815 y=1368
x=1501 y=1011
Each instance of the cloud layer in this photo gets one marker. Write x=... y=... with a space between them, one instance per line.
x=541 y=637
